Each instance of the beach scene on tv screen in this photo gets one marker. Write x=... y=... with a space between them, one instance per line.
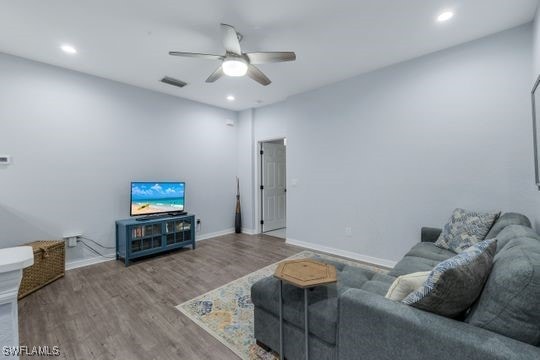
x=151 y=198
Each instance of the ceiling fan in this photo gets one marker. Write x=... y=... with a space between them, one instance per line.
x=237 y=63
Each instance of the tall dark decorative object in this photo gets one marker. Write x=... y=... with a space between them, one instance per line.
x=535 y=98
x=238 y=217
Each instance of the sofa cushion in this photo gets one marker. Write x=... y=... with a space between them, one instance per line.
x=513 y=232
x=356 y=277
x=454 y=284
x=510 y=302
x=322 y=299
x=430 y=251
x=465 y=228
x=379 y=284
x=505 y=220
x=412 y=264
x=322 y=306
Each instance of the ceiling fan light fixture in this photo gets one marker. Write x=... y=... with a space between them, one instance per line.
x=237 y=63
x=235 y=67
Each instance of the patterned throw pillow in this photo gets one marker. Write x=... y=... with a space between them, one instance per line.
x=455 y=284
x=464 y=229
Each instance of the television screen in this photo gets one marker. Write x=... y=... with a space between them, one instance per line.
x=156 y=197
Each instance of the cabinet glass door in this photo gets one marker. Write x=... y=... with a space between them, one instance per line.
x=145 y=237
x=178 y=231
x=169 y=231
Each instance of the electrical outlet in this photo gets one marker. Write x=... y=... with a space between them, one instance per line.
x=71 y=239
x=5 y=159
x=348 y=231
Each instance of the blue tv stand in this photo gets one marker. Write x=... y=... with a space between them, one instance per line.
x=135 y=239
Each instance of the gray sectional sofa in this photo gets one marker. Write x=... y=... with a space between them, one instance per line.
x=353 y=320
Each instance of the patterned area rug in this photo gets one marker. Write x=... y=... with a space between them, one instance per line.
x=227 y=312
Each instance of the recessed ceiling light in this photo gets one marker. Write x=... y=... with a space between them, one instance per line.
x=230 y=98
x=445 y=16
x=68 y=49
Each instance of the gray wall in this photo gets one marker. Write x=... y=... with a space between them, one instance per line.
x=246 y=154
x=536 y=44
x=77 y=141
x=383 y=153
x=390 y=151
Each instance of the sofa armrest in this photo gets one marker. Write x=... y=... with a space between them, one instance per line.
x=430 y=234
x=372 y=327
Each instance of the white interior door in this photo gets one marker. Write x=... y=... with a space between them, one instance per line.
x=274 y=199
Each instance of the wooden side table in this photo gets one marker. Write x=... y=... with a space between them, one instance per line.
x=304 y=274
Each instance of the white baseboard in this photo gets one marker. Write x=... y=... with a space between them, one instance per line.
x=225 y=232
x=344 y=253
x=214 y=234
x=70 y=265
x=249 y=231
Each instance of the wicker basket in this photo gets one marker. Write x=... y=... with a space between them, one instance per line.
x=49 y=265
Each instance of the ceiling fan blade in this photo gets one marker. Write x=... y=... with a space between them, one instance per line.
x=258 y=75
x=270 y=57
x=196 y=55
x=215 y=75
x=230 y=39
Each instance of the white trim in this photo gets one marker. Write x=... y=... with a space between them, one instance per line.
x=224 y=232
x=249 y=231
x=344 y=253
x=214 y=234
x=257 y=168
x=70 y=265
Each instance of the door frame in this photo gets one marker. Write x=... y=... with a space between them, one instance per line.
x=258 y=169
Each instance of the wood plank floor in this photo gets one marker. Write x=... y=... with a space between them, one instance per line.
x=107 y=311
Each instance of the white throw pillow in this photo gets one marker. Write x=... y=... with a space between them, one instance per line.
x=406 y=284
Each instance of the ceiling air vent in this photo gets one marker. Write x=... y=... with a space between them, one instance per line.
x=173 y=82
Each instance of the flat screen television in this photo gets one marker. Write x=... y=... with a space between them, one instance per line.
x=152 y=198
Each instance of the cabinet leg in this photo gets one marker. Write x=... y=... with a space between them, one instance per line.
x=193 y=246
x=306 y=323
x=281 y=353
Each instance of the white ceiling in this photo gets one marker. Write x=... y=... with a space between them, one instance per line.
x=129 y=40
